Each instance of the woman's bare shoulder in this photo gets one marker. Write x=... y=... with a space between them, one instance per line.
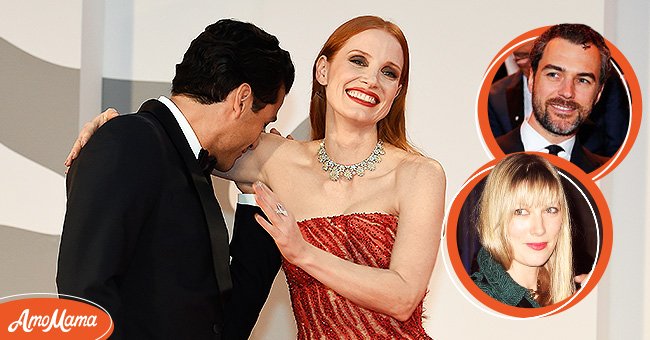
x=415 y=170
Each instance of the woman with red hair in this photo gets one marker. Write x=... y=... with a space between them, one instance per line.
x=356 y=211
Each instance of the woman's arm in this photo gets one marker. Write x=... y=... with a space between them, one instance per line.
x=252 y=165
x=248 y=168
x=395 y=291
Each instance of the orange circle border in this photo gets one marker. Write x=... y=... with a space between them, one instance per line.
x=486 y=300
x=629 y=77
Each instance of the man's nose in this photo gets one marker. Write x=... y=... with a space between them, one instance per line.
x=567 y=89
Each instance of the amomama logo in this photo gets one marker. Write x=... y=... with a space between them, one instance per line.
x=53 y=318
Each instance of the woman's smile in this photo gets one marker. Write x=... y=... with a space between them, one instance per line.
x=362 y=97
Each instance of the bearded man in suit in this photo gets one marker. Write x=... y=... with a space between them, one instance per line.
x=570 y=64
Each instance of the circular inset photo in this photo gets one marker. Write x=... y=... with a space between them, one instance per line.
x=529 y=235
x=562 y=90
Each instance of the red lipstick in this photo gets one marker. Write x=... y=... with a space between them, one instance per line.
x=537 y=246
x=360 y=100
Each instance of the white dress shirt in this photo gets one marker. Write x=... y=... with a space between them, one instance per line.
x=533 y=141
x=189 y=134
x=247 y=199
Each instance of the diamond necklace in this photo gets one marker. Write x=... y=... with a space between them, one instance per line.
x=336 y=170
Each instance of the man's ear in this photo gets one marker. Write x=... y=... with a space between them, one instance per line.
x=242 y=99
x=322 y=66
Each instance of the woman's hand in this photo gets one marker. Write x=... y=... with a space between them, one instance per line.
x=420 y=188
x=87 y=130
x=283 y=227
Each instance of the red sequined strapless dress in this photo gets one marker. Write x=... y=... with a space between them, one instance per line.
x=320 y=313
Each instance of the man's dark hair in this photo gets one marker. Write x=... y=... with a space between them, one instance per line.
x=229 y=53
x=578 y=34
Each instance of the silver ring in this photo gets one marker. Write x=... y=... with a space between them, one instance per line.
x=280 y=210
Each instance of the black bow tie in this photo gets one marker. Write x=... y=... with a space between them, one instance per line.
x=206 y=162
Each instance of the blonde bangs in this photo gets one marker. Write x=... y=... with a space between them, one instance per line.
x=544 y=190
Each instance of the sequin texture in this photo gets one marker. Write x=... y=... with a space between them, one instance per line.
x=321 y=313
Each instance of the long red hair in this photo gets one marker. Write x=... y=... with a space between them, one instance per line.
x=392 y=128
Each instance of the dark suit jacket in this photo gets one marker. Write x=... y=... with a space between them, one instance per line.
x=255 y=263
x=605 y=130
x=506 y=104
x=144 y=236
x=580 y=156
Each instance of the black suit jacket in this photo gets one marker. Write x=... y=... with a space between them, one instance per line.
x=255 y=263
x=580 y=156
x=144 y=236
x=506 y=104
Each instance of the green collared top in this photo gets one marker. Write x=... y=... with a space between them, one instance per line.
x=498 y=284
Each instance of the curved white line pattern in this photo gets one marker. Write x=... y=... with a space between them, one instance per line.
x=49 y=30
x=33 y=197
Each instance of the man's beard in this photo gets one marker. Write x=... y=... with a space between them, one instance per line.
x=560 y=126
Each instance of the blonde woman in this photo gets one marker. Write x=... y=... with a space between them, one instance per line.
x=524 y=228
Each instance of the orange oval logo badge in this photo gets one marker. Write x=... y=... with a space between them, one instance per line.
x=53 y=318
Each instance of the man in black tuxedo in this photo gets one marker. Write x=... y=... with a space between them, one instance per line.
x=570 y=63
x=144 y=236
